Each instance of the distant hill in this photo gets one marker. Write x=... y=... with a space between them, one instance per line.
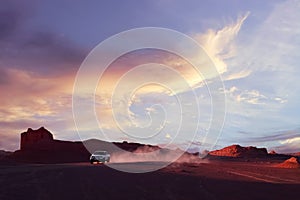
x=39 y=146
x=239 y=151
x=3 y=154
x=295 y=154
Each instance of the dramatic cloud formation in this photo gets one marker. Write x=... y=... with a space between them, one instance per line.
x=255 y=49
x=29 y=100
x=220 y=44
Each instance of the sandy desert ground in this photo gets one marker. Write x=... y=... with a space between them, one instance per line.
x=207 y=180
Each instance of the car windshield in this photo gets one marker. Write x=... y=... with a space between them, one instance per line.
x=100 y=153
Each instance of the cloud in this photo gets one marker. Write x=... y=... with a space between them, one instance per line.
x=4 y=79
x=220 y=44
x=260 y=74
x=290 y=145
x=9 y=21
x=277 y=41
x=291 y=140
x=8 y=141
x=179 y=77
x=272 y=49
x=280 y=99
x=237 y=75
x=168 y=136
x=36 y=50
x=282 y=141
x=46 y=53
x=279 y=136
x=268 y=97
x=31 y=100
x=246 y=96
x=262 y=93
x=121 y=73
x=251 y=97
x=37 y=72
x=12 y=14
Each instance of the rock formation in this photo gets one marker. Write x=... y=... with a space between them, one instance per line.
x=39 y=146
x=290 y=163
x=32 y=137
x=3 y=154
x=295 y=154
x=272 y=152
x=239 y=151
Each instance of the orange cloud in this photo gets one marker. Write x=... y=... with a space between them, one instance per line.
x=32 y=100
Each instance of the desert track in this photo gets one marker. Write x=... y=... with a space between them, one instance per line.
x=264 y=178
x=213 y=180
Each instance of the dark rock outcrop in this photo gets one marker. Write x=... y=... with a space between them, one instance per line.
x=4 y=154
x=32 y=137
x=296 y=154
x=39 y=146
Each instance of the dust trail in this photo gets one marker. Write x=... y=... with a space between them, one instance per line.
x=147 y=154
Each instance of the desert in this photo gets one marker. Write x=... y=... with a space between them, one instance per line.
x=149 y=99
x=229 y=173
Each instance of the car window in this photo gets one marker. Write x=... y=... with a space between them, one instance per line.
x=100 y=153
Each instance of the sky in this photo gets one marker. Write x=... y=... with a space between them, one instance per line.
x=254 y=45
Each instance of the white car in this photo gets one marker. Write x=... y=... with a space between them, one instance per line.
x=100 y=156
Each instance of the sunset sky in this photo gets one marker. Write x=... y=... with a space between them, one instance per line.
x=255 y=46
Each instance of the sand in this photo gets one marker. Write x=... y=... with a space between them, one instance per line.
x=208 y=180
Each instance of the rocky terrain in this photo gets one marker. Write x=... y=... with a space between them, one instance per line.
x=292 y=162
x=295 y=154
x=239 y=151
x=39 y=146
